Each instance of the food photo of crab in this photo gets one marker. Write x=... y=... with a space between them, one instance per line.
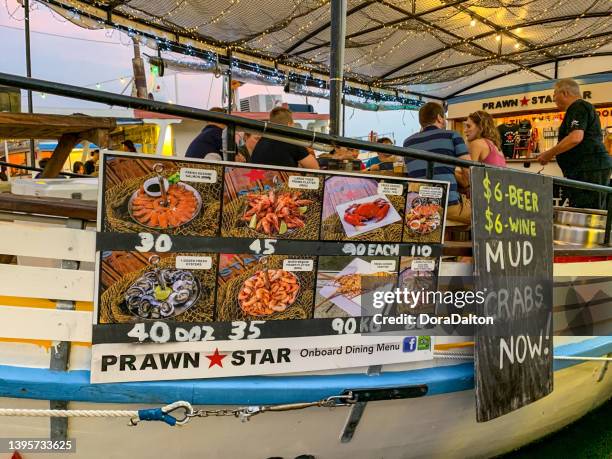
x=268 y=202
x=360 y=214
x=355 y=209
x=160 y=195
x=152 y=286
x=264 y=287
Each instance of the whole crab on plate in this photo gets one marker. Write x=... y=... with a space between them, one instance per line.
x=361 y=214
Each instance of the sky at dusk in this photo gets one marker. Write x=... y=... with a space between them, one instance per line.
x=67 y=53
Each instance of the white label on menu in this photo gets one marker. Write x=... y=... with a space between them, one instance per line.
x=431 y=191
x=394 y=189
x=423 y=265
x=304 y=183
x=387 y=266
x=189 y=174
x=298 y=265
x=190 y=262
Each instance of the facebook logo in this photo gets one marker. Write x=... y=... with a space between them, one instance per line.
x=410 y=343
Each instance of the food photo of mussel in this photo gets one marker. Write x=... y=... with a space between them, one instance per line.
x=144 y=194
x=136 y=286
x=264 y=203
x=260 y=288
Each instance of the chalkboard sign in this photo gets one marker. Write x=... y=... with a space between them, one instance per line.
x=513 y=257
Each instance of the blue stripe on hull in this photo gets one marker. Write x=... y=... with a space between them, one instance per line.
x=37 y=383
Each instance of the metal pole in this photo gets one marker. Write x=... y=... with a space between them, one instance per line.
x=26 y=6
x=231 y=129
x=343 y=113
x=336 y=67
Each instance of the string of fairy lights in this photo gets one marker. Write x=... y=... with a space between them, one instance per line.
x=310 y=70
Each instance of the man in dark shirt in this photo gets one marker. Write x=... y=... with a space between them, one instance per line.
x=580 y=153
x=208 y=143
x=277 y=153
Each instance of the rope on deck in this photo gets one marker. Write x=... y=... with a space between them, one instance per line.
x=154 y=414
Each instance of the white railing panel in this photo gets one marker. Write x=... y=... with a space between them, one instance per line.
x=47 y=242
x=48 y=283
x=45 y=324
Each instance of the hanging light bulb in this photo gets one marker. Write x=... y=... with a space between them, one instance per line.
x=497 y=37
x=519 y=30
x=122 y=80
x=43 y=95
x=473 y=23
x=98 y=85
x=517 y=45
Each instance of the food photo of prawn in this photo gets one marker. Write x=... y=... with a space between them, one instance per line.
x=274 y=213
x=181 y=205
x=268 y=291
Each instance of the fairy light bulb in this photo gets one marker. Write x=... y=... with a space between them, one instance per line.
x=473 y=23
x=519 y=30
x=98 y=85
x=517 y=45
x=497 y=37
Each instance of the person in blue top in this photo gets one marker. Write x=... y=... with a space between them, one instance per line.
x=435 y=138
x=382 y=161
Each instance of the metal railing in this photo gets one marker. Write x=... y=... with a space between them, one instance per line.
x=92 y=95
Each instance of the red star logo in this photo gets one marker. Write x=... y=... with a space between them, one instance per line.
x=524 y=101
x=255 y=174
x=216 y=358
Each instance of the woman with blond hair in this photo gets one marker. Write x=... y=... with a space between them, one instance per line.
x=483 y=138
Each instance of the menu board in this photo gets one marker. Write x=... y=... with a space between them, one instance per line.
x=513 y=255
x=211 y=269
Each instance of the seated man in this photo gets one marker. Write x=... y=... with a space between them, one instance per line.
x=277 y=153
x=208 y=143
x=382 y=161
x=434 y=137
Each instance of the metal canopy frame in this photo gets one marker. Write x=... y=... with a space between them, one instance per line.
x=371 y=14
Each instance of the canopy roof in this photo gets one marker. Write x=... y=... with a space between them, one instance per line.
x=432 y=47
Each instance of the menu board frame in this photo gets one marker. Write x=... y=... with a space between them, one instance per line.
x=131 y=248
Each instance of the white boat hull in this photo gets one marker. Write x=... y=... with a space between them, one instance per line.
x=439 y=426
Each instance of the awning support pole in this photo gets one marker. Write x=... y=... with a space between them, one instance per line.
x=26 y=7
x=336 y=73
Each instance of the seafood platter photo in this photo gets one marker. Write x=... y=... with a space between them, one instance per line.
x=262 y=203
x=424 y=215
x=268 y=287
x=140 y=285
x=174 y=197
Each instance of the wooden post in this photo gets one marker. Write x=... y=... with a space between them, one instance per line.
x=56 y=163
